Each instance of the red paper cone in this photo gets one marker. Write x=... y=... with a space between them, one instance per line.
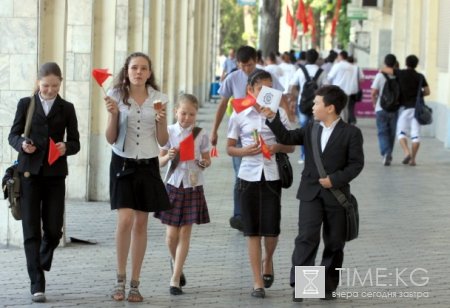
x=187 y=148
x=214 y=152
x=53 y=152
x=100 y=75
x=264 y=148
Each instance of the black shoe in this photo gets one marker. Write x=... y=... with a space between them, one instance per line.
x=182 y=277
x=236 y=223
x=268 y=279
x=259 y=293
x=296 y=299
x=175 y=290
x=182 y=280
x=328 y=296
x=38 y=297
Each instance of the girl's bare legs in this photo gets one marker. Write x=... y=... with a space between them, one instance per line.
x=254 y=253
x=178 y=241
x=270 y=244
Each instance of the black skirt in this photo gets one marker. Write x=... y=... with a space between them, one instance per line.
x=137 y=184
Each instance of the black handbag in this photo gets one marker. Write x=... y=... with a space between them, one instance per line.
x=350 y=206
x=11 y=179
x=422 y=113
x=284 y=169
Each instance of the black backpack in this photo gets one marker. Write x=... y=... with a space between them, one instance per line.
x=309 y=91
x=389 y=99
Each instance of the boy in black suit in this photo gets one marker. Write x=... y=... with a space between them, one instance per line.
x=341 y=149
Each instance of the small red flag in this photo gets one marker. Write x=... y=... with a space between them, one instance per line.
x=301 y=15
x=289 y=18
x=264 y=148
x=240 y=104
x=214 y=152
x=100 y=75
x=187 y=151
x=335 y=17
x=53 y=152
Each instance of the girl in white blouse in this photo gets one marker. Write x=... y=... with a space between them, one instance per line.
x=135 y=129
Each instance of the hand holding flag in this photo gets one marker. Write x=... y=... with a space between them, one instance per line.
x=214 y=152
x=100 y=75
x=53 y=152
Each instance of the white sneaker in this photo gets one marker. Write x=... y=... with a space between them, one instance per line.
x=38 y=297
x=301 y=161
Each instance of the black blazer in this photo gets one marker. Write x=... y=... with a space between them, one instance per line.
x=343 y=158
x=60 y=120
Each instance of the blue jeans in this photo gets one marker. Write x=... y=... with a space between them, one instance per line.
x=236 y=164
x=303 y=119
x=386 y=125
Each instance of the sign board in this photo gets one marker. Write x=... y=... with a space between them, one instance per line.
x=364 y=108
x=246 y=2
x=357 y=13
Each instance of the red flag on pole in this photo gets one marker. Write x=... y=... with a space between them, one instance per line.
x=335 y=17
x=240 y=104
x=53 y=152
x=100 y=75
x=187 y=151
x=301 y=15
x=264 y=148
x=291 y=23
x=312 y=23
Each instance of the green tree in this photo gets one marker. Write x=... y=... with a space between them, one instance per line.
x=232 y=27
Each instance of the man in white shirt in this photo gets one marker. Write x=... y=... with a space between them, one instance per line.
x=342 y=75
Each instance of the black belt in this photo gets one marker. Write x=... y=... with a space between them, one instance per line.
x=144 y=161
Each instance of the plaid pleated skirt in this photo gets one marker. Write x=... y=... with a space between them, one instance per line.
x=189 y=207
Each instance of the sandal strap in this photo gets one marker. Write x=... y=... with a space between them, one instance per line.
x=134 y=292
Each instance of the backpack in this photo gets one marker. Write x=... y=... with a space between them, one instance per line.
x=389 y=99
x=309 y=91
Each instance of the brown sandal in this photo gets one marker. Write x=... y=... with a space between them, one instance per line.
x=134 y=296
x=118 y=293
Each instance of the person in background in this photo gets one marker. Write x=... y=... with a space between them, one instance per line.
x=185 y=187
x=386 y=121
x=407 y=125
x=259 y=183
x=136 y=127
x=229 y=64
x=43 y=187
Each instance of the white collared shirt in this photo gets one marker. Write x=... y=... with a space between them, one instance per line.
x=242 y=125
x=326 y=133
x=186 y=171
x=137 y=129
x=46 y=104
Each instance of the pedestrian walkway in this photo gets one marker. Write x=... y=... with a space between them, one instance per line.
x=403 y=248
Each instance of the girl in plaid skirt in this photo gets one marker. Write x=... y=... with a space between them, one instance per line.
x=184 y=185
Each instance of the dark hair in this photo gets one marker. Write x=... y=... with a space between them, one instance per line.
x=272 y=57
x=390 y=60
x=333 y=95
x=331 y=56
x=344 y=54
x=122 y=82
x=188 y=97
x=412 y=61
x=245 y=54
x=311 y=56
x=257 y=76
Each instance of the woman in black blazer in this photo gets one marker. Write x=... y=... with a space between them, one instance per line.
x=43 y=184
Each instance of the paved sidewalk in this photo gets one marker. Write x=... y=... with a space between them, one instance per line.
x=404 y=228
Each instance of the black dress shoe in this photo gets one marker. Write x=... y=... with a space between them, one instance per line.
x=259 y=293
x=268 y=279
x=182 y=280
x=236 y=223
x=296 y=299
x=175 y=290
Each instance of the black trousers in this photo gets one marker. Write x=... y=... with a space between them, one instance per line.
x=42 y=201
x=312 y=214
